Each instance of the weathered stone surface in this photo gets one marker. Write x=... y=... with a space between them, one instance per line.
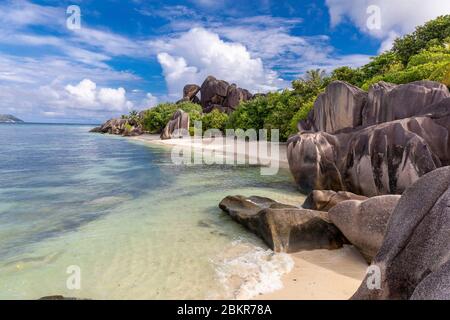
x=125 y=127
x=415 y=254
x=324 y=200
x=177 y=127
x=381 y=159
x=339 y=107
x=401 y=133
x=190 y=91
x=284 y=228
x=389 y=102
x=220 y=95
x=364 y=223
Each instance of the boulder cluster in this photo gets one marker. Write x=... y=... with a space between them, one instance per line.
x=124 y=127
x=216 y=95
x=372 y=143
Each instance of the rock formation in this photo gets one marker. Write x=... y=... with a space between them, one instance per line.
x=216 y=94
x=414 y=258
x=284 y=228
x=324 y=200
x=364 y=223
x=337 y=149
x=125 y=127
x=177 y=127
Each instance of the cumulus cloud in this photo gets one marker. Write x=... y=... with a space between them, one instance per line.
x=197 y=53
x=397 y=17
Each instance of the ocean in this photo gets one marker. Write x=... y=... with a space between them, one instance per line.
x=131 y=223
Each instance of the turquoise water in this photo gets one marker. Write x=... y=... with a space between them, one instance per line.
x=137 y=226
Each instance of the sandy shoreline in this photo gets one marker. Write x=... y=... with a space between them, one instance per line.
x=318 y=274
x=241 y=149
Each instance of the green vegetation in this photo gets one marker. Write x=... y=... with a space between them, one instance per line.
x=421 y=55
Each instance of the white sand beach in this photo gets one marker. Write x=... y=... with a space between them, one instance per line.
x=318 y=274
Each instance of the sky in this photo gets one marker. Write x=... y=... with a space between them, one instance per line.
x=130 y=55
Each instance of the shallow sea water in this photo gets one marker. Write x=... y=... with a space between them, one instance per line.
x=136 y=225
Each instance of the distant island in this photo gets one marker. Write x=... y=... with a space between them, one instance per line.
x=7 y=118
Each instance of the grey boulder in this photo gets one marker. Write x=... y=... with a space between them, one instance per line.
x=324 y=200
x=177 y=127
x=364 y=223
x=284 y=228
x=415 y=254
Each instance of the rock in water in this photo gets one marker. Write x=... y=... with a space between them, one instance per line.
x=284 y=228
x=177 y=127
x=324 y=200
x=125 y=127
x=364 y=223
x=414 y=258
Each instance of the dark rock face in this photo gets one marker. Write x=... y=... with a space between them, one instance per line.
x=390 y=102
x=177 y=127
x=125 y=127
x=324 y=200
x=384 y=158
x=284 y=228
x=414 y=258
x=364 y=223
x=339 y=107
x=220 y=95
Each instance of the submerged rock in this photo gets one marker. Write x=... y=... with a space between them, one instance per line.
x=284 y=228
x=414 y=258
x=324 y=200
x=364 y=223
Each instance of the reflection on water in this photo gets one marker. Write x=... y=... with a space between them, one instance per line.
x=137 y=226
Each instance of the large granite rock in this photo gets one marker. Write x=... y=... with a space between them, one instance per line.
x=220 y=95
x=177 y=127
x=324 y=200
x=284 y=228
x=389 y=102
x=377 y=160
x=339 y=107
x=364 y=223
x=414 y=258
x=125 y=127
x=384 y=158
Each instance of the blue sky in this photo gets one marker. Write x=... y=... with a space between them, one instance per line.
x=133 y=54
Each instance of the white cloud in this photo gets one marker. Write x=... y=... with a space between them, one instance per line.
x=398 y=17
x=193 y=55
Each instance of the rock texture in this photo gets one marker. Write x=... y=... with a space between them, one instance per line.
x=364 y=223
x=284 y=228
x=190 y=92
x=324 y=200
x=414 y=258
x=383 y=158
x=125 y=127
x=177 y=127
x=339 y=107
x=220 y=95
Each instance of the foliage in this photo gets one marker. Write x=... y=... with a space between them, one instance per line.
x=214 y=120
x=433 y=32
x=156 y=119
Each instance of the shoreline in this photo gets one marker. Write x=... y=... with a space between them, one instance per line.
x=318 y=274
x=243 y=149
